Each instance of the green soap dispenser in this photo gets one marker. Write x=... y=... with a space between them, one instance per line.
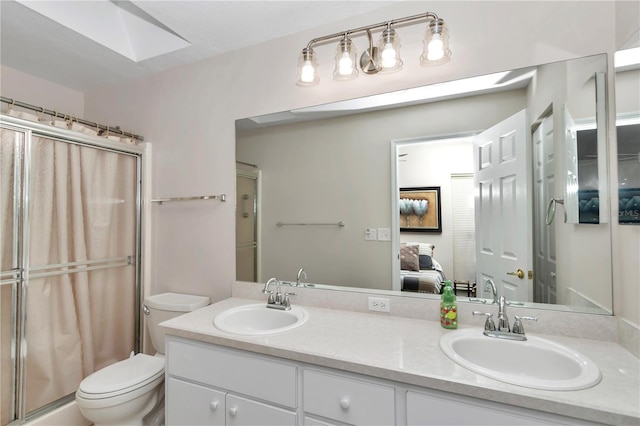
x=448 y=307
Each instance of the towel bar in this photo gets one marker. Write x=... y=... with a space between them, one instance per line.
x=340 y=223
x=221 y=197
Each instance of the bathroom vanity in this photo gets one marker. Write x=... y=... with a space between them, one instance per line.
x=343 y=367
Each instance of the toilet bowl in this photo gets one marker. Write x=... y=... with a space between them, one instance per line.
x=123 y=393
x=127 y=389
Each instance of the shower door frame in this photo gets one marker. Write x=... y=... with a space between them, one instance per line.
x=21 y=276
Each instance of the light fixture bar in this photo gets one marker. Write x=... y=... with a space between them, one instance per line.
x=382 y=58
x=341 y=34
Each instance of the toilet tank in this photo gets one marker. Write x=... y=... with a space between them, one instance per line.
x=164 y=306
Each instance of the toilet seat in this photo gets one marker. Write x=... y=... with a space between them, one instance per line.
x=122 y=380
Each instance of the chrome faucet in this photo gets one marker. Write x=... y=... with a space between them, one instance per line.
x=503 y=331
x=302 y=272
x=503 y=320
x=490 y=285
x=265 y=290
x=277 y=300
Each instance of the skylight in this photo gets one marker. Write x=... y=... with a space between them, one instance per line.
x=627 y=58
x=136 y=36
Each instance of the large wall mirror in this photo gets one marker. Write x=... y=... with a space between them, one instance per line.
x=325 y=189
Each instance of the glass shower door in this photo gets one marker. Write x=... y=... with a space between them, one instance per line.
x=81 y=270
x=11 y=180
x=69 y=252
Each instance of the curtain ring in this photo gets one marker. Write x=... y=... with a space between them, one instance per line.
x=40 y=114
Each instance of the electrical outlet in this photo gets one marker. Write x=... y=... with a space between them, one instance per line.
x=384 y=234
x=379 y=304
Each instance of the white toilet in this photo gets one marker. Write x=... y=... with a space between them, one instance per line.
x=125 y=392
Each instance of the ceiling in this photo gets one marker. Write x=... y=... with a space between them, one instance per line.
x=37 y=45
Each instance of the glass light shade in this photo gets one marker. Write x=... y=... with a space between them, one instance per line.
x=436 y=44
x=307 y=68
x=346 y=65
x=389 y=48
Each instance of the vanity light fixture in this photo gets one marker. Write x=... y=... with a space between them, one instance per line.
x=385 y=57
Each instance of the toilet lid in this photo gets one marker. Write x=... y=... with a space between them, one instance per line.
x=123 y=375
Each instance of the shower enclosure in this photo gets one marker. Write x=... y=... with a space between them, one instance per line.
x=69 y=262
x=247 y=253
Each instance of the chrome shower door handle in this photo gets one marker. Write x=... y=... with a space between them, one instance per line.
x=245 y=213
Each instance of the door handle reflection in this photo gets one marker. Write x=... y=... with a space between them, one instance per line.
x=519 y=273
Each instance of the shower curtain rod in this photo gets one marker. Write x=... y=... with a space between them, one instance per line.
x=56 y=114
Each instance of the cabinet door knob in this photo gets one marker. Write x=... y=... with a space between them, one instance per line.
x=233 y=411
x=214 y=405
x=345 y=403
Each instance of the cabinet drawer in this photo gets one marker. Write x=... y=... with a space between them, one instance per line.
x=348 y=400
x=191 y=404
x=447 y=409
x=235 y=371
x=241 y=412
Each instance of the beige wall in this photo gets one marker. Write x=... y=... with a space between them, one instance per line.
x=188 y=113
x=24 y=87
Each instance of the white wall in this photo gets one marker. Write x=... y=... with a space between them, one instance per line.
x=626 y=239
x=188 y=113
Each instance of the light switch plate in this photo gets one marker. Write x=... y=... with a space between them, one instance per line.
x=370 y=234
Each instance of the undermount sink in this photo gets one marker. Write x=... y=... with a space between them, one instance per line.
x=535 y=363
x=257 y=319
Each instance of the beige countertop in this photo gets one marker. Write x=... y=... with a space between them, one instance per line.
x=407 y=350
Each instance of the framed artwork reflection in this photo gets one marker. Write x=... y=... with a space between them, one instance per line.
x=420 y=209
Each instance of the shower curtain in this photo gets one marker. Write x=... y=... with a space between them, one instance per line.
x=80 y=263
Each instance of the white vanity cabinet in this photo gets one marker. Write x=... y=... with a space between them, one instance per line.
x=210 y=385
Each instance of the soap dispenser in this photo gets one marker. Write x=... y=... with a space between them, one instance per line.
x=448 y=307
